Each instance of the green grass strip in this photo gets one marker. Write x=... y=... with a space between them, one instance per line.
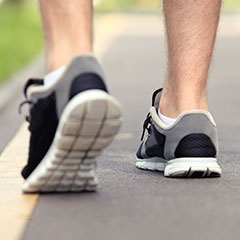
x=20 y=36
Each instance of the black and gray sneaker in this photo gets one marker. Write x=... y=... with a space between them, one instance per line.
x=71 y=122
x=188 y=148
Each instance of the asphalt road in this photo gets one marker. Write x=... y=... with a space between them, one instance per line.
x=133 y=204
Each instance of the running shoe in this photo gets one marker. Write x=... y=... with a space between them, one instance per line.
x=188 y=148
x=71 y=122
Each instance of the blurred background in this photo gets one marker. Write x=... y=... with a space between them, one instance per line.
x=130 y=204
x=20 y=27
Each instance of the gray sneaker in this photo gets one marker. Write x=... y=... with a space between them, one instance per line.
x=188 y=148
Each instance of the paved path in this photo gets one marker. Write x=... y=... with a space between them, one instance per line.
x=133 y=204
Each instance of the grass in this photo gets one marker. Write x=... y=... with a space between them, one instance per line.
x=231 y=4
x=20 y=36
x=128 y=5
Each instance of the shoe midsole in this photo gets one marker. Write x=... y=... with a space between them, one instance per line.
x=178 y=162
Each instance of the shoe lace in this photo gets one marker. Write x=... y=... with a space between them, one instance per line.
x=30 y=82
x=27 y=117
x=147 y=125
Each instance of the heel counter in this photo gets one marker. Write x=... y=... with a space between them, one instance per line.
x=196 y=145
x=86 y=81
x=190 y=125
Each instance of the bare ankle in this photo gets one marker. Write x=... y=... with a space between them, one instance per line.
x=54 y=60
x=172 y=104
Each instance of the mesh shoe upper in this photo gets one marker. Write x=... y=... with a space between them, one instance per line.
x=194 y=134
x=43 y=124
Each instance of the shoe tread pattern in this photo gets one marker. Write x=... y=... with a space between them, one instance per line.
x=87 y=130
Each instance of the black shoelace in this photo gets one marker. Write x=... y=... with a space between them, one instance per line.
x=147 y=125
x=30 y=82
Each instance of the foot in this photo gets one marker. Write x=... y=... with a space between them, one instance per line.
x=71 y=122
x=188 y=148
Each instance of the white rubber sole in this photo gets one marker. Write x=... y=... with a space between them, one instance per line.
x=88 y=125
x=182 y=167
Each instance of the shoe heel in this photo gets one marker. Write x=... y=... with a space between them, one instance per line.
x=193 y=167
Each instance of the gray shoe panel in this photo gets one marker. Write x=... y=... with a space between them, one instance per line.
x=79 y=65
x=141 y=153
x=189 y=124
x=85 y=63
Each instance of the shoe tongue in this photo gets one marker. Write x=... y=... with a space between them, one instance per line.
x=156 y=97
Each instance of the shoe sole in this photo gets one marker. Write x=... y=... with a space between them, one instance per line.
x=182 y=167
x=88 y=125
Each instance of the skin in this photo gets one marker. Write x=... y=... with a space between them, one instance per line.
x=191 y=27
x=67 y=27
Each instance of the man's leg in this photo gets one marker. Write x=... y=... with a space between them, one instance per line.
x=191 y=27
x=73 y=117
x=186 y=146
x=67 y=30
